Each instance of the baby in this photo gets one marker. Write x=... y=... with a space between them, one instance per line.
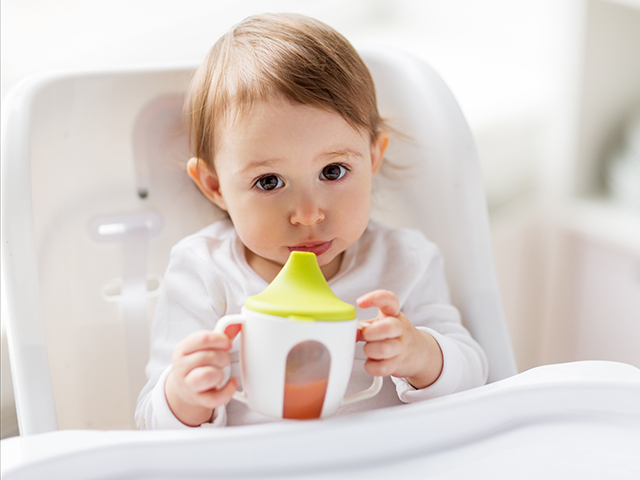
x=287 y=139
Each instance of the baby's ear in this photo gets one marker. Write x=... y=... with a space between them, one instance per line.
x=206 y=180
x=378 y=147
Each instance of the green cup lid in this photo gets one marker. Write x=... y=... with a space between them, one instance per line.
x=300 y=292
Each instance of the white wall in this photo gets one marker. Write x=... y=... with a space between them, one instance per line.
x=495 y=54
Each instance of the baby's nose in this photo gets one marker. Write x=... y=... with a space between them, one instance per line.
x=306 y=211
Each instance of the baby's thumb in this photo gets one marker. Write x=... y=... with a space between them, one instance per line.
x=232 y=331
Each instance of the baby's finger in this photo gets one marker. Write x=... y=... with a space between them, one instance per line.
x=202 y=340
x=232 y=331
x=385 y=300
x=204 y=378
x=202 y=358
x=214 y=398
x=381 y=368
x=362 y=324
x=383 y=350
x=383 y=329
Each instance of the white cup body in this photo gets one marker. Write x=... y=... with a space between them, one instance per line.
x=266 y=343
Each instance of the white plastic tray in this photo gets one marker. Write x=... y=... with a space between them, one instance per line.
x=575 y=420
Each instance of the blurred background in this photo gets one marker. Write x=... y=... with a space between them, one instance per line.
x=551 y=90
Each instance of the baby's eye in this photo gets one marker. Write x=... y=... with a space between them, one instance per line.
x=335 y=171
x=269 y=182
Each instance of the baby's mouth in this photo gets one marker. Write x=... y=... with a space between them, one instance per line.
x=314 y=247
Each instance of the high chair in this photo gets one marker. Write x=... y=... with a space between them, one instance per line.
x=94 y=195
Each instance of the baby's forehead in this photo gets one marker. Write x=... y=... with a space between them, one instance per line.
x=278 y=115
x=285 y=129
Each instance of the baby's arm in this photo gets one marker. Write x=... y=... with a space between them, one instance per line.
x=394 y=346
x=198 y=364
x=193 y=297
x=406 y=263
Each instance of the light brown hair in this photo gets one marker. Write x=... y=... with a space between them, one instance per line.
x=268 y=55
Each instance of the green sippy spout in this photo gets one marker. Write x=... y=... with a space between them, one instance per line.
x=300 y=292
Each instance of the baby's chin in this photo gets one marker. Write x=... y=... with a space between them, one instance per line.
x=331 y=266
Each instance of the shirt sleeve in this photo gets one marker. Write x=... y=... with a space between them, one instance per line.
x=191 y=299
x=427 y=304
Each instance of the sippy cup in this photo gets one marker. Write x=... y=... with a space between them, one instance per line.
x=297 y=345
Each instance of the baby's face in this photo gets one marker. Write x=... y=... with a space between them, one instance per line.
x=294 y=177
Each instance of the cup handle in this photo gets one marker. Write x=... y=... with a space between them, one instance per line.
x=364 y=394
x=220 y=327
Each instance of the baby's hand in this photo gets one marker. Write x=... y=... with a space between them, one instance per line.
x=394 y=346
x=192 y=386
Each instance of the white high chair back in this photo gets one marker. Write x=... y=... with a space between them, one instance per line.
x=94 y=195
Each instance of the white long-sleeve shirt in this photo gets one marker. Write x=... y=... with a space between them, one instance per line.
x=208 y=277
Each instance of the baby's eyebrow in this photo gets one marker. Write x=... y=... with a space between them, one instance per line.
x=269 y=162
x=260 y=163
x=343 y=152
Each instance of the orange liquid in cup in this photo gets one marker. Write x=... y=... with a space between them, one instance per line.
x=303 y=401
